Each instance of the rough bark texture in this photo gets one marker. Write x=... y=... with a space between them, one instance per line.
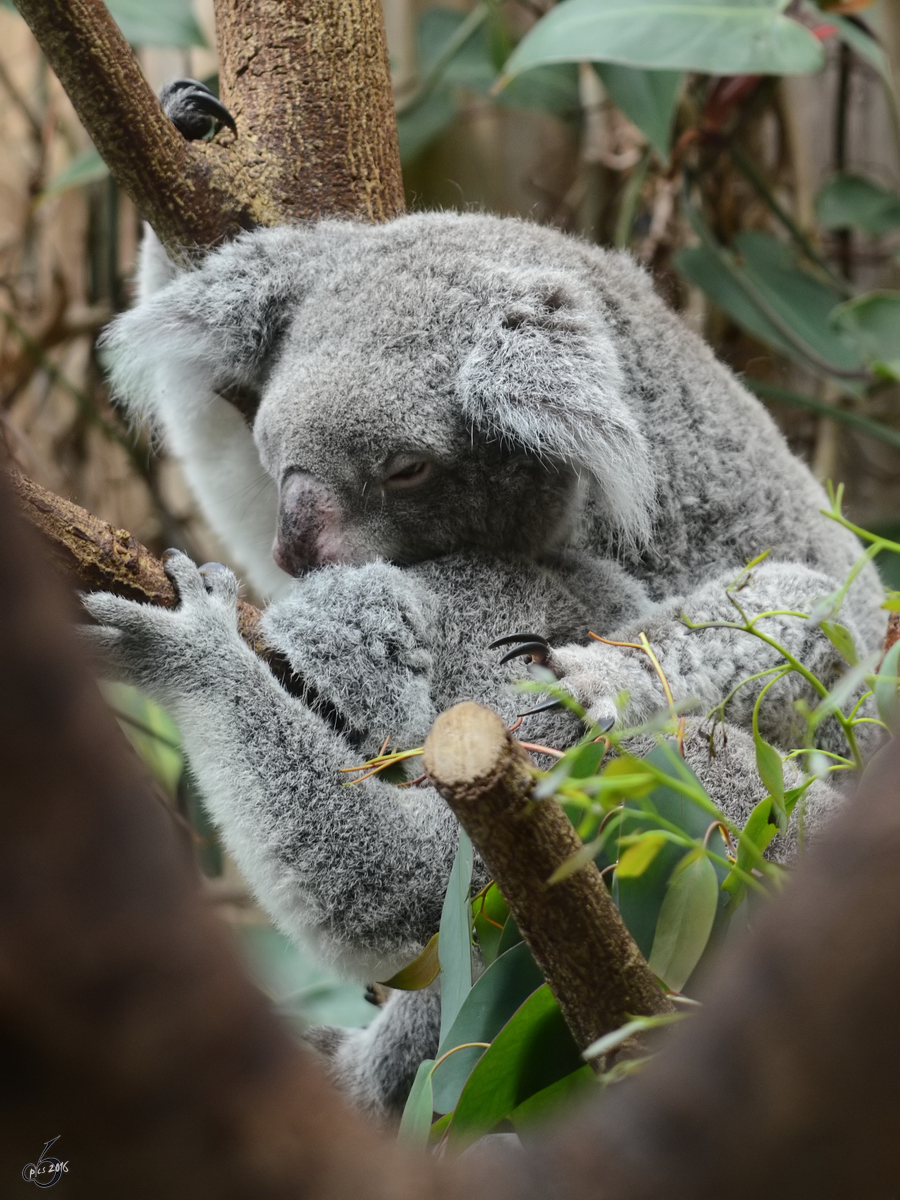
x=102 y=558
x=572 y=928
x=188 y=198
x=308 y=82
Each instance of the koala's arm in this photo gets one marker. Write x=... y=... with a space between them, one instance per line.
x=707 y=664
x=358 y=872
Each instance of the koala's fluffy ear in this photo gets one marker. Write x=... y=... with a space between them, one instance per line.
x=213 y=329
x=545 y=377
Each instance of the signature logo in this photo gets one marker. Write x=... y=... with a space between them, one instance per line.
x=47 y=1170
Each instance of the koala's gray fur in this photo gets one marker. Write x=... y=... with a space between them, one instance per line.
x=592 y=467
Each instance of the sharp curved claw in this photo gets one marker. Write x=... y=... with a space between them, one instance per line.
x=215 y=108
x=512 y=638
x=185 y=99
x=537 y=650
x=606 y=726
x=545 y=706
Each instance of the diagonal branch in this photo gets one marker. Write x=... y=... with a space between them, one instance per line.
x=573 y=928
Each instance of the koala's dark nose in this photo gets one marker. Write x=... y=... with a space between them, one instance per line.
x=309 y=525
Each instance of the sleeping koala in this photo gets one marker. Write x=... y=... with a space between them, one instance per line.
x=359 y=872
x=447 y=428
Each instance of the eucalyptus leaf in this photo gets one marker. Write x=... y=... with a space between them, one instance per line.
x=796 y=297
x=504 y=986
x=854 y=201
x=417 y=128
x=547 y=1103
x=771 y=771
x=455 y=944
x=415 y=1124
x=685 y=921
x=647 y=98
x=873 y=322
x=533 y=1050
x=842 y=640
x=158 y=23
x=418 y=974
x=749 y=37
x=640 y=899
x=635 y=860
x=490 y=912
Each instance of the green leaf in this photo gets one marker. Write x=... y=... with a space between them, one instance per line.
x=754 y=839
x=887 y=698
x=640 y=900
x=546 y=1104
x=151 y=731
x=637 y=858
x=504 y=986
x=750 y=37
x=685 y=921
x=854 y=201
x=534 y=1050
x=158 y=23
x=771 y=771
x=86 y=167
x=509 y=937
x=490 y=913
x=842 y=640
x=470 y=65
x=415 y=1124
x=303 y=989
x=552 y=89
x=873 y=323
x=798 y=298
x=617 y=1037
x=420 y=972
x=455 y=945
x=647 y=98
x=865 y=45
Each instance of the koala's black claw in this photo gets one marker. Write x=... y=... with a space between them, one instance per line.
x=511 y=638
x=545 y=706
x=211 y=568
x=193 y=109
x=537 y=650
x=606 y=726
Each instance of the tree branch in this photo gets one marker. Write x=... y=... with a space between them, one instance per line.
x=572 y=928
x=102 y=558
x=308 y=82
x=187 y=196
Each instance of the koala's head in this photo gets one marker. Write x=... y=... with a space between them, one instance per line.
x=419 y=388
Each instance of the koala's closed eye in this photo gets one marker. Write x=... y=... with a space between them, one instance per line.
x=408 y=475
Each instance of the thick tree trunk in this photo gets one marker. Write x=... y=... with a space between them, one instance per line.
x=309 y=84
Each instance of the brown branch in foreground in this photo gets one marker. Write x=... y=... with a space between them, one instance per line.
x=188 y=199
x=893 y=632
x=103 y=558
x=573 y=928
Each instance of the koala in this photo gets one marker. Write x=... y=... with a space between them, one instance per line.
x=358 y=873
x=419 y=437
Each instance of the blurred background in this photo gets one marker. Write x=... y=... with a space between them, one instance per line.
x=766 y=206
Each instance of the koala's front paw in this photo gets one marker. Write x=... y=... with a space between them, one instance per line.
x=168 y=652
x=595 y=676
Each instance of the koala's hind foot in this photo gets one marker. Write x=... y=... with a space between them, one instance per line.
x=194 y=111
